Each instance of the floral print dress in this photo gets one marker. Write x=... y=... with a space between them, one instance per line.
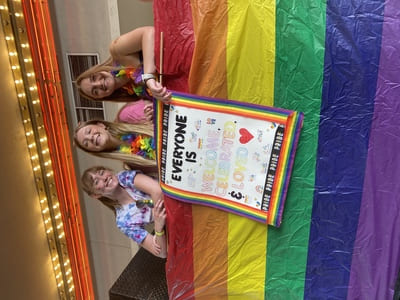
x=131 y=219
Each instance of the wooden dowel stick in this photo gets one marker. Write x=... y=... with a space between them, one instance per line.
x=161 y=54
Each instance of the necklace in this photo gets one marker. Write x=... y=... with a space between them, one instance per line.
x=134 y=86
x=138 y=144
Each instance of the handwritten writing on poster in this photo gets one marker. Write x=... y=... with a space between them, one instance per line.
x=224 y=155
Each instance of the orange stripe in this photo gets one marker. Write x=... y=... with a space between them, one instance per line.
x=208 y=71
x=209 y=79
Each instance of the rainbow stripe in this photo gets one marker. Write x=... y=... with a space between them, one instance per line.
x=292 y=121
x=339 y=63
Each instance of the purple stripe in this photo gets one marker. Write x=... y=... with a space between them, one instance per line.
x=376 y=255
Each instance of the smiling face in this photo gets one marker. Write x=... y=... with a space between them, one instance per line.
x=93 y=137
x=99 y=85
x=104 y=183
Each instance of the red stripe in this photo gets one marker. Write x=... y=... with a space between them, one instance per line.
x=177 y=58
x=179 y=268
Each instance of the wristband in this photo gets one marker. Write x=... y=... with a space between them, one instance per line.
x=161 y=233
x=147 y=76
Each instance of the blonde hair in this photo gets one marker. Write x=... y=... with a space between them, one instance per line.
x=119 y=95
x=87 y=186
x=116 y=130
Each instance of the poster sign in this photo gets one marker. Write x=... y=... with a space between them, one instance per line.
x=226 y=154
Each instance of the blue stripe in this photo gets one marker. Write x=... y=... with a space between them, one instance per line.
x=352 y=50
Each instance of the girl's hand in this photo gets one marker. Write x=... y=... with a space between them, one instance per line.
x=148 y=112
x=158 y=91
x=160 y=215
x=156 y=248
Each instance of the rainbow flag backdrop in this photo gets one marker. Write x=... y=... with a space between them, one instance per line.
x=339 y=63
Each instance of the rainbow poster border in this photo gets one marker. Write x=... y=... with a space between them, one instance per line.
x=292 y=122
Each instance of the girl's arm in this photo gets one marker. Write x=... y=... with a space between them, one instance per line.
x=156 y=244
x=124 y=48
x=149 y=186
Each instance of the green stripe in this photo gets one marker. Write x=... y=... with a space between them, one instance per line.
x=300 y=40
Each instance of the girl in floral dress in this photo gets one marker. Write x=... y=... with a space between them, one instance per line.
x=135 y=199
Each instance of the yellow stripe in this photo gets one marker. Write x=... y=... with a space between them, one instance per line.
x=250 y=51
x=250 y=77
x=247 y=241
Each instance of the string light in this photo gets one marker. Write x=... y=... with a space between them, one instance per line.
x=21 y=67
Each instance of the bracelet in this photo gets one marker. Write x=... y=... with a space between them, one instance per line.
x=161 y=233
x=147 y=76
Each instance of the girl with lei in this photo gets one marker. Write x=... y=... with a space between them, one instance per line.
x=132 y=144
x=135 y=199
x=129 y=74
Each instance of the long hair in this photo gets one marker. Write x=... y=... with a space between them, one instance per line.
x=87 y=186
x=116 y=130
x=119 y=95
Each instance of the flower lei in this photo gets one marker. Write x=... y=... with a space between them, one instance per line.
x=135 y=74
x=139 y=144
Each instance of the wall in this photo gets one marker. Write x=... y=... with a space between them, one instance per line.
x=90 y=29
x=26 y=270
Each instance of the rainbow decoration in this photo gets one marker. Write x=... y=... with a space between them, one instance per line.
x=267 y=119
x=141 y=145
x=338 y=62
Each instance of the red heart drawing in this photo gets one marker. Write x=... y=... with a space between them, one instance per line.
x=246 y=136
